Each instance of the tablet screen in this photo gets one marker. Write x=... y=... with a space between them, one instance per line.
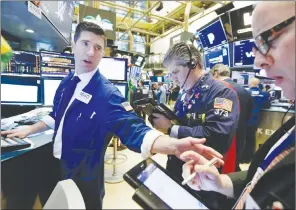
x=175 y=196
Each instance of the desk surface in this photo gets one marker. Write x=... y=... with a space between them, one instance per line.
x=278 y=109
x=38 y=141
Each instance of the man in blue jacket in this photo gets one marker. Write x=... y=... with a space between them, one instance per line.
x=207 y=108
x=260 y=101
x=87 y=111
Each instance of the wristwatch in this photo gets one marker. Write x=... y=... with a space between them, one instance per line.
x=170 y=129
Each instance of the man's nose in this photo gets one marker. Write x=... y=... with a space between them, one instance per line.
x=263 y=61
x=90 y=51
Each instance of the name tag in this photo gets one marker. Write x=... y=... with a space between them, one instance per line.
x=84 y=97
x=251 y=203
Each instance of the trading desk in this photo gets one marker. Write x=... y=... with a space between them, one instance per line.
x=25 y=173
x=271 y=120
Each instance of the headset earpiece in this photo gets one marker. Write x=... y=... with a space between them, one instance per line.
x=192 y=63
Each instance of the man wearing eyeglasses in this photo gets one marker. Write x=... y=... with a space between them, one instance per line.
x=270 y=181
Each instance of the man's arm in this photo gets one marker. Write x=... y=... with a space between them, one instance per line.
x=137 y=136
x=24 y=131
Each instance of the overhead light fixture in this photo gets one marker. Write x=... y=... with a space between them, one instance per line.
x=30 y=31
x=159 y=7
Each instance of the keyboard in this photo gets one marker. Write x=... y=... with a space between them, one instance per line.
x=13 y=144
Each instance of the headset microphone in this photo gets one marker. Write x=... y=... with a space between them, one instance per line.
x=191 y=64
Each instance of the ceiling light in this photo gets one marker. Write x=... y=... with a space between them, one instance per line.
x=30 y=31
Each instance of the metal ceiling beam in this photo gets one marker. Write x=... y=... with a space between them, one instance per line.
x=173 y=13
x=151 y=8
x=186 y=15
x=140 y=11
x=192 y=19
x=139 y=30
x=166 y=18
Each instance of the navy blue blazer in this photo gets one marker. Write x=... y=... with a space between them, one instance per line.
x=88 y=128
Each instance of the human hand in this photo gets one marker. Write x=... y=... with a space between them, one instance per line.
x=207 y=177
x=200 y=151
x=20 y=132
x=161 y=123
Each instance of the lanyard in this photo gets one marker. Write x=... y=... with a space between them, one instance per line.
x=282 y=147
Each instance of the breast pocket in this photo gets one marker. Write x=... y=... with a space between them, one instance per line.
x=85 y=120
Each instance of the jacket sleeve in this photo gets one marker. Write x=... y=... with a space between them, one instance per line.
x=123 y=122
x=239 y=182
x=221 y=118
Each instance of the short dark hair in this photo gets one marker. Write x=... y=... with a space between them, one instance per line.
x=91 y=27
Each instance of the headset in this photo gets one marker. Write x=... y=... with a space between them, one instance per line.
x=192 y=63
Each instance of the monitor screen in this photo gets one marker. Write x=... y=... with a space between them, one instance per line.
x=138 y=60
x=135 y=72
x=241 y=20
x=50 y=86
x=212 y=35
x=114 y=68
x=122 y=87
x=20 y=90
x=242 y=77
x=242 y=53
x=168 y=190
x=219 y=54
x=23 y=62
x=56 y=64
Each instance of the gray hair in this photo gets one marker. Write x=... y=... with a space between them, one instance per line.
x=222 y=70
x=180 y=53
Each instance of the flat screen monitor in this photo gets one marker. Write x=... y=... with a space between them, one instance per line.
x=135 y=72
x=56 y=64
x=123 y=88
x=138 y=60
x=23 y=63
x=242 y=77
x=241 y=20
x=215 y=55
x=157 y=79
x=21 y=90
x=114 y=68
x=50 y=85
x=242 y=53
x=212 y=35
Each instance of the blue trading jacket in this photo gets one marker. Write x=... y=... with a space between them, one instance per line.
x=260 y=101
x=88 y=129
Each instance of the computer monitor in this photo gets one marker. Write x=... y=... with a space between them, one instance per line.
x=113 y=68
x=56 y=63
x=241 y=20
x=135 y=72
x=123 y=88
x=23 y=63
x=242 y=77
x=242 y=53
x=212 y=35
x=215 y=55
x=23 y=90
x=50 y=86
x=138 y=60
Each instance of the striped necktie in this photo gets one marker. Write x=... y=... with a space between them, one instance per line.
x=250 y=187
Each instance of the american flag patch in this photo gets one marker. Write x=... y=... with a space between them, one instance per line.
x=127 y=106
x=223 y=103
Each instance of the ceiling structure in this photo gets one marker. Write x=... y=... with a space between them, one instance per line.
x=158 y=17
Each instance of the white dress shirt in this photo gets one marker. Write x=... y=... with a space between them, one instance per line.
x=148 y=140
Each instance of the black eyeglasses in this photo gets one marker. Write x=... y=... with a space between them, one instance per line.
x=263 y=40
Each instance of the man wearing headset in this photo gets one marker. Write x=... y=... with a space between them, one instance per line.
x=208 y=108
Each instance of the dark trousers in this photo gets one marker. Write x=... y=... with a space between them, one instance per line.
x=250 y=144
x=89 y=189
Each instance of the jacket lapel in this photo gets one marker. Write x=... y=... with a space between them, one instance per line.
x=262 y=152
x=90 y=88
